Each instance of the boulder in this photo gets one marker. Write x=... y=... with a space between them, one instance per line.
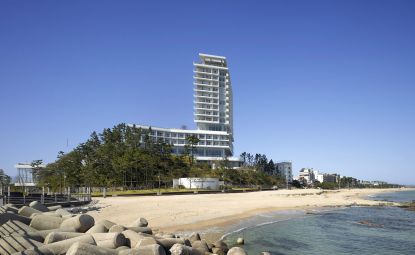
x=236 y=251
x=265 y=253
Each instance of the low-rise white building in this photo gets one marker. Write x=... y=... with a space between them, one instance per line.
x=197 y=183
x=25 y=176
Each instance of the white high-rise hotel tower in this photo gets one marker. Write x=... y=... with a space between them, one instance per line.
x=213 y=114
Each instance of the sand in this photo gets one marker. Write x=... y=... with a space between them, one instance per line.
x=201 y=211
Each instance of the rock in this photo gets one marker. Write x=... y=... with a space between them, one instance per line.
x=45 y=222
x=236 y=251
x=38 y=206
x=88 y=249
x=265 y=253
x=109 y=240
x=140 y=222
x=28 y=211
x=240 y=241
x=117 y=229
x=81 y=223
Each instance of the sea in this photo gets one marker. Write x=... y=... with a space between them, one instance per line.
x=351 y=230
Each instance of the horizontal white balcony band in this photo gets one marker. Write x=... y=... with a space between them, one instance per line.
x=184 y=131
x=197 y=102
x=211 y=66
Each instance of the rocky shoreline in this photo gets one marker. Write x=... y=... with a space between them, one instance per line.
x=40 y=230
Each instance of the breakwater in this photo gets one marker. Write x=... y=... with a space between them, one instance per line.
x=40 y=230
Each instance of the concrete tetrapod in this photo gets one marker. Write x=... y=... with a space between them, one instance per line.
x=109 y=240
x=54 y=237
x=167 y=243
x=145 y=242
x=44 y=222
x=28 y=211
x=59 y=247
x=88 y=249
x=81 y=223
x=54 y=207
x=98 y=228
x=140 y=222
x=108 y=224
x=38 y=206
x=132 y=237
x=153 y=249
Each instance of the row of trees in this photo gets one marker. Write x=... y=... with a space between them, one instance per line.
x=127 y=156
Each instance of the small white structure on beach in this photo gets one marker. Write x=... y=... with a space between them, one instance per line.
x=25 y=176
x=198 y=183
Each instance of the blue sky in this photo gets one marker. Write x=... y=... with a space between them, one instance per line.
x=326 y=84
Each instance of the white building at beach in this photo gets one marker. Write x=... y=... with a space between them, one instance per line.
x=25 y=176
x=213 y=114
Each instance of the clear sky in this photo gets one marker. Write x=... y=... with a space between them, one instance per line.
x=326 y=84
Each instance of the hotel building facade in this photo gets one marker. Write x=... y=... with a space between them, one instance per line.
x=213 y=115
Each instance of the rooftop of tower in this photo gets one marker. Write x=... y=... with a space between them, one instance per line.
x=213 y=60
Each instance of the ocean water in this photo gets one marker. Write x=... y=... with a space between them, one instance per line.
x=355 y=230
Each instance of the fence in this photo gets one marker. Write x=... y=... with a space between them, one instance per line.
x=48 y=199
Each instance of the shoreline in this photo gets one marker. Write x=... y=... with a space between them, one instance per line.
x=213 y=214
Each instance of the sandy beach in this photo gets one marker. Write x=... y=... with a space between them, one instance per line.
x=195 y=212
